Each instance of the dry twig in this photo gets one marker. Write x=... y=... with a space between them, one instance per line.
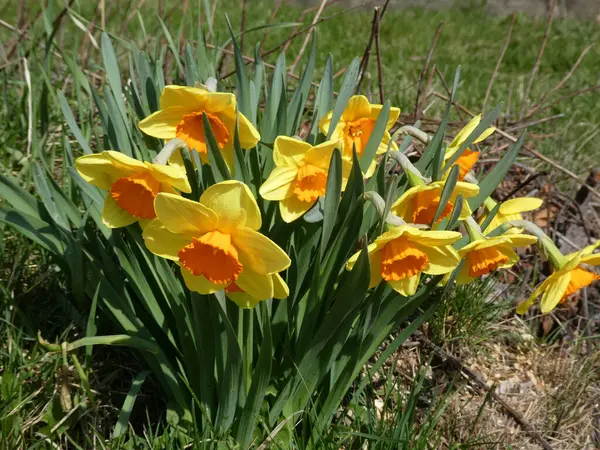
x=426 y=68
x=495 y=73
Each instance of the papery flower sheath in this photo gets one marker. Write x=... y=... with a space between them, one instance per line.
x=399 y=256
x=356 y=125
x=420 y=203
x=467 y=160
x=181 y=116
x=300 y=175
x=570 y=277
x=132 y=185
x=215 y=241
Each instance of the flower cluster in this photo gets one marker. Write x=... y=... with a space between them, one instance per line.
x=216 y=241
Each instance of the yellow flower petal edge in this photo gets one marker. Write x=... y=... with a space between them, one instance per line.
x=400 y=255
x=132 y=185
x=216 y=244
x=565 y=281
x=182 y=116
x=300 y=175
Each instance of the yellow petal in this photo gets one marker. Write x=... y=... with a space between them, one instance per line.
x=519 y=205
x=162 y=242
x=467 y=190
x=190 y=98
x=463 y=276
x=520 y=240
x=249 y=135
x=199 y=283
x=280 y=287
x=432 y=238
x=465 y=132
x=375 y=266
x=593 y=260
x=172 y=175
x=525 y=305
x=407 y=286
x=486 y=133
x=115 y=217
x=350 y=264
x=257 y=285
x=234 y=204
x=289 y=151
x=320 y=155
x=358 y=106
x=394 y=114
x=243 y=300
x=98 y=170
x=258 y=252
x=163 y=123
x=554 y=292
x=180 y=215
x=442 y=260
x=279 y=185
x=292 y=208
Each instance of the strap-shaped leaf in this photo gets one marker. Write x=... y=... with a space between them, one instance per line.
x=453 y=220
x=172 y=46
x=493 y=179
x=446 y=192
x=490 y=216
x=218 y=166
x=346 y=91
x=66 y=110
x=296 y=106
x=243 y=83
x=191 y=68
x=438 y=137
x=260 y=383
x=123 y=421
x=485 y=123
x=332 y=198
x=375 y=138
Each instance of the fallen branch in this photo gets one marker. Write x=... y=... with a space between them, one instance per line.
x=480 y=383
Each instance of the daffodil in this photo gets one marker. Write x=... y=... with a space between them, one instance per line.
x=569 y=277
x=484 y=254
x=509 y=210
x=420 y=203
x=300 y=175
x=181 y=116
x=132 y=185
x=467 y=160
x=356 y=125
x=399 y=256
x=215 y=241
x=245 y=300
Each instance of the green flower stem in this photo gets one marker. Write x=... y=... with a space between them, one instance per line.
x=415 y=178
x=414 y=132
x=550 y=249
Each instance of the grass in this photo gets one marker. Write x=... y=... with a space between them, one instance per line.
x=469 y=39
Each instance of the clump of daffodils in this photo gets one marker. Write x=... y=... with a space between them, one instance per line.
x=216 y=241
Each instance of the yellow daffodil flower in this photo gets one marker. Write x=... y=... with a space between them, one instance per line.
x=486 y=254
x=300 y=175
x=180 y=116
x=356 y=125
x=467 y=160
x=509 y=210
x=215 y=241
x=132 y=185
x=245 y=300
x=400 y=255
x=419 y=203
x=565 y=280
